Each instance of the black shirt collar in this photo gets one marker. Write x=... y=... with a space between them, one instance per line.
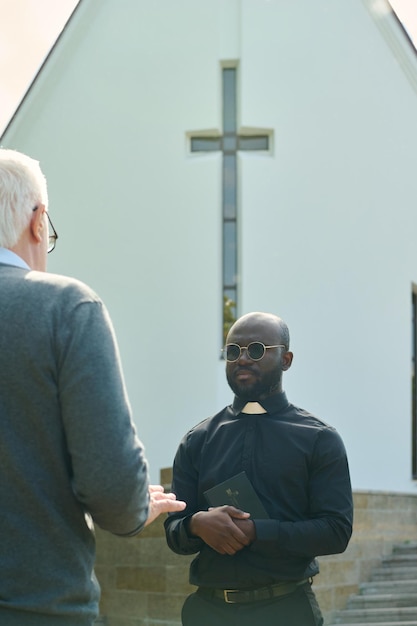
x=273 y=404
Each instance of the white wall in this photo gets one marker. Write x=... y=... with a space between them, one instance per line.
x=343 y=190
x=327 y=235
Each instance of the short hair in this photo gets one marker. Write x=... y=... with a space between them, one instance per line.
x=285 y=333
x=22 y=188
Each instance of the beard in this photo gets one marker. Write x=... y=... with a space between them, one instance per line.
x=264 y=386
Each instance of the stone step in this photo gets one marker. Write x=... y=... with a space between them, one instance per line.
x=406 y=547
x=394 y=573
x=400 y=559
x=403 y=615
x=385 y=601
x=413 y=623
x=388 y=586
x=389 y=598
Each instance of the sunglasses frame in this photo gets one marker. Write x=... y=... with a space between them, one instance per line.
x=247 y=348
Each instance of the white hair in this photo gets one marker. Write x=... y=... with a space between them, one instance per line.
x=22 y=188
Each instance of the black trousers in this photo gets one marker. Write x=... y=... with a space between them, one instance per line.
x=299 y=608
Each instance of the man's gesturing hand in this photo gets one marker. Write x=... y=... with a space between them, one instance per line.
x=216 y=527
x=161 y=502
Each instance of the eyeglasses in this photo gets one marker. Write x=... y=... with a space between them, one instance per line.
x=255 y=350
x=52 y=237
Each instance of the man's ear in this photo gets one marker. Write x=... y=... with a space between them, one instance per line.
x=287 y=358
x=37 y=223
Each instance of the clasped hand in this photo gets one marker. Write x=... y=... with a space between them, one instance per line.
x=225 y=528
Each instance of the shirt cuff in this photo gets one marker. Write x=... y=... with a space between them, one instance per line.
x=267 y=530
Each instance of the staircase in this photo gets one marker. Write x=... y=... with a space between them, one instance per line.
x=390 y=598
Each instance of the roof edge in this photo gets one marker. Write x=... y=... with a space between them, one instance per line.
x=40 y=69
x=396 y=36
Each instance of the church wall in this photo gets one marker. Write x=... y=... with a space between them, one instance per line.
x=138 y=218
x=328 y=218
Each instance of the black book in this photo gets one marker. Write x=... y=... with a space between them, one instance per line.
x=238 y=492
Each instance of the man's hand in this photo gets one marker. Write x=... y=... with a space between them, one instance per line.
x=217 y=527
x=247 y=527
x=161 y=502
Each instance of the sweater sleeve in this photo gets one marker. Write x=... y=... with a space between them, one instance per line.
x=109 y=469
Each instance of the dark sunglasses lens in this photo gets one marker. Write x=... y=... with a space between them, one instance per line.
x=256 y=350
x=232 y=352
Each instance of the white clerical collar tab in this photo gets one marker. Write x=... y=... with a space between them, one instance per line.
x=253 y=408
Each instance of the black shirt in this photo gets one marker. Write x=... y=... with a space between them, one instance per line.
x=298 y=467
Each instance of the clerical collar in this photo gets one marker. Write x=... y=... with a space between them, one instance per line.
x=272 y=404
x=253 y=408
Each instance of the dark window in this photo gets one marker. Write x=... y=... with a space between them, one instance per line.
x=229 y=144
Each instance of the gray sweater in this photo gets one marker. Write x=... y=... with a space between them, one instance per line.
x=68 y=448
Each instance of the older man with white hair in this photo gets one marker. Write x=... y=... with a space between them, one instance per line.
x=69 y=452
